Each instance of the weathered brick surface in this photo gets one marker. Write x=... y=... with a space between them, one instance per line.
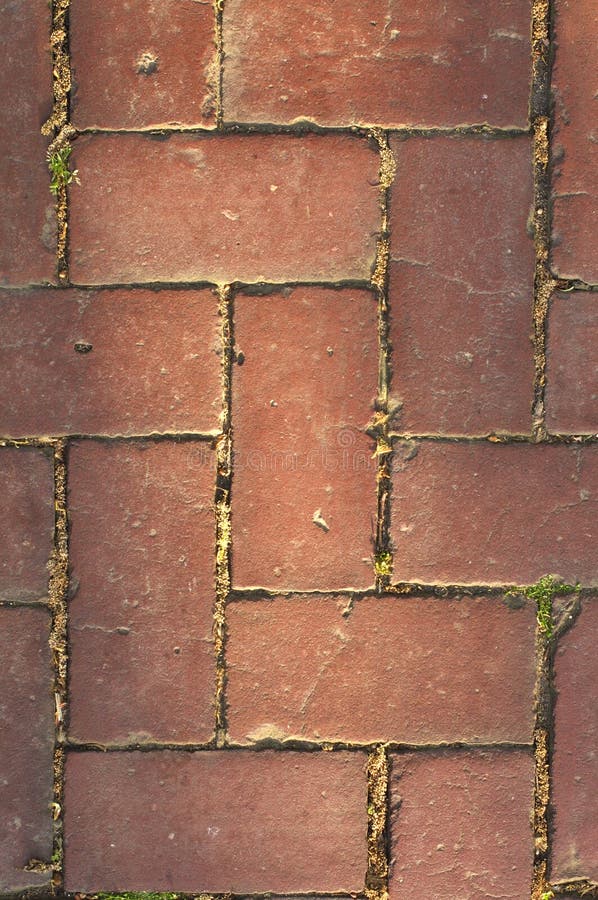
x=141 y=550
x=461 y=825
x=461 y=286
x=494 y=513
x=109 y=362
x=27 y=523
x=230 y=821
x=27 y=224
x=575 y=147
x=304 y=492
x=157 y=62
x=575 y=762
x=414 y=670
x=288 y=208
x=572 y=364
x=423 y=63
x=26 y=747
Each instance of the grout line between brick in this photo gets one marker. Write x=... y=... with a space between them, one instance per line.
x=376 y=882
x=58 y=592
x=380 y=425
x=218 y=6
x=549 y=438
x=214 y=437
x=543 y=739
x=580 y=887
x=307 y=126
x=58 y=125
x=544 y=283
x=294 y=745
x=223 y=515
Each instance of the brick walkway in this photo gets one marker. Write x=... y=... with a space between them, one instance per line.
x=299 y=420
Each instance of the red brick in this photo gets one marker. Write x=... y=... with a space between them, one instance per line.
x=219 y=821
x=575 y=761
x=448 y=670
x=26 y=747
x=461 y=306
x=141 y=550
x=463 y=513
x=300 y=401
x=424 y=63
x=153 y=366
x=572 y=364
x=138 y=64
x=27 y=222
x=575 y=147
x=27 y=524
x=461 y=825
x=223 y=208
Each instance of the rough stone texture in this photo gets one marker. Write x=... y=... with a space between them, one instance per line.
x=420 y=63
x=223 y=208
x=220 y=821
x=484 y=513
x=137 y=64
x=141 y=550
x=572 y=364
x=575 y=146
x=417 y=670
x=109 y=362
x=461 y=825
x=461 y=288
x=575 y=759
x=26 y=747
x=27 y=522
x=27 y=222
x=304 y=494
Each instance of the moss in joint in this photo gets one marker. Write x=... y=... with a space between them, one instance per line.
x=383 y=563
x=543 y=594
x=58 y=163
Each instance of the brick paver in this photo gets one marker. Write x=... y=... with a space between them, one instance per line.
x=157 y=62
x=142 y=539
x=304 y=491
x=231 y=821
x=572 y=364
x=418 y=670
x=461 y=285
x=26 y=748
x=461 y=825
x=462 y=513
x=319 y=193
x=575 y=763
x=423 y=63
x=297 y=410
x=27 y=523
x=109 y=362
x=27 y=222
x=575 y=147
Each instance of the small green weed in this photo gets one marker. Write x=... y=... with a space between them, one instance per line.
x=543 y=593
x=383 y=563
x=58 y=163
x=547 y=895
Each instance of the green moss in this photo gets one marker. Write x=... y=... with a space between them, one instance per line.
x=383 y=563
x=543 y=593
x=58 y=163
